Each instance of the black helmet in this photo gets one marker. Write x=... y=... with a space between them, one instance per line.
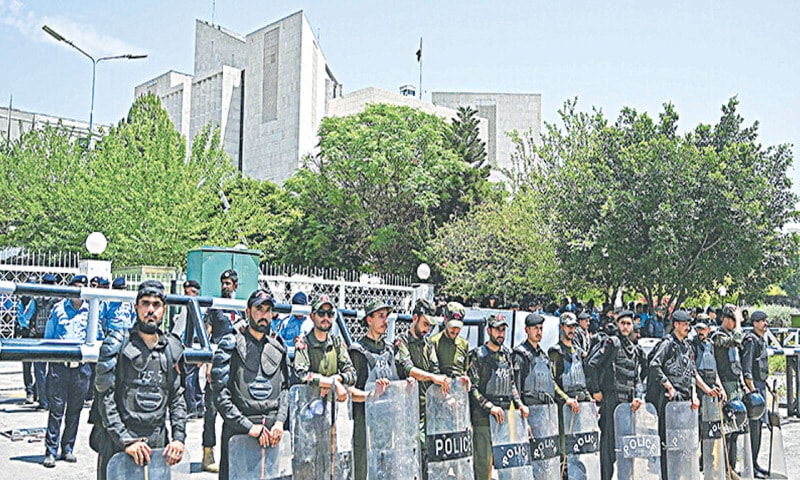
x=735 y=412
x=756 y=405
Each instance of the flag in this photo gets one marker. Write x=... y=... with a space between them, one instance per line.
x=419 y=52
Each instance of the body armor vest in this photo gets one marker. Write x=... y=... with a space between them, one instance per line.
x=625 y=367
x=257 y=380
x=539 y=379
x=706 y=363
x=760 y=358
x=679 y=368
x=143 y=384
x=380 y=365
x=729 y=364
x=573 y=379
x=497 y=368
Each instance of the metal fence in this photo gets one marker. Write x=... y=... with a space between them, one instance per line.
x=349 y=290
x=17 y=265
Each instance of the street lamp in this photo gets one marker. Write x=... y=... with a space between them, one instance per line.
x=95 y=61
x=722 y=292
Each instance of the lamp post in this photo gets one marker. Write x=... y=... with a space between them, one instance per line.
x=722 y=292
x=95 y=61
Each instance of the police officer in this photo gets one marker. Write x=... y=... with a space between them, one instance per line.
x=67 y=382
x=727 y=341
x=26 y=328
x=415 y=357
x=138 y=384
x=293 y=326
x=321 y=358
x=755 y=369
x=219 y=322
x=251 y=380
x=118 y=315
x=707 y=378
x=44 y=307
x=613 y=379
x=570 y=381
x=451 y=349
x=533 y=371
x=195 y=405
x=672 y=375
x=493 y=390
x=373 y=359
x=582 y=338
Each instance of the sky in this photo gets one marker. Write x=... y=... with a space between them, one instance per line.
x=693 y=53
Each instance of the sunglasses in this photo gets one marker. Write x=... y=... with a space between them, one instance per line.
x=325 y=313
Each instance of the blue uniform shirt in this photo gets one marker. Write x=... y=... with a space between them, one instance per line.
x=25 y=314
x=68 y=323
x=118 y=316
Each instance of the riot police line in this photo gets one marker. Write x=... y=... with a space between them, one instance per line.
x=527 y=440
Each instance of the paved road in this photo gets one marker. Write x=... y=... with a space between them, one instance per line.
x=22 y=459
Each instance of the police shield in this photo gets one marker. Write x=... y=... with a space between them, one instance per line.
x=682 y=441
x=744 y=456
x=772 y=441
x=511 y=449
x=449 y=432
x=311 y=433
x=343 y=440
x=637 y=444
x=545 y=458
x=122 y=465
x=247 y=459
x=392 y=421
x=711 y=439
x=582 y=442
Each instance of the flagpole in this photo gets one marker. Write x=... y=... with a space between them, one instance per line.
x=419 y=57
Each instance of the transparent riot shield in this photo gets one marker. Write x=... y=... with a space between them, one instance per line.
x=582 y=442
x=772 y=441
x=511 y=449
x=744 y=452
x=637 y=443
x=711 y=439
x=682 y=441
x=247 y=459
x=545 y=444
x=744 y=456
x=312 y=438
x=449 y=432
x=392 y=421
x=343 y=440
x=122 y=465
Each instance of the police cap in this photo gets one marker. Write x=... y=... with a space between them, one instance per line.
x=681 y=316
x=533 y=319
x=758 y=316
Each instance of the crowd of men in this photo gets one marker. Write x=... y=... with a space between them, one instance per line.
x=141 y=381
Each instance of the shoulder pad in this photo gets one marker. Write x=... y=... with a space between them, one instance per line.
x=113 y=342
x=107 y=362
x=357 y=347
x=227 y=342
x=614 y=341
x=481 y=351
x=555 y=348
x=175 y=346
x=276 y=342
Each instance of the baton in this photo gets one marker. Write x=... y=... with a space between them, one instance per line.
x=263 y=449
x=333 y=427
x=771 y=426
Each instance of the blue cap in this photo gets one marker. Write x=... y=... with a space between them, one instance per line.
x=79 y=279
x=102 y=281
x=49 y=278
x=299 y=298
x=119 y=283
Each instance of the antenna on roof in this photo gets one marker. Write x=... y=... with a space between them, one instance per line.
x=213 y=10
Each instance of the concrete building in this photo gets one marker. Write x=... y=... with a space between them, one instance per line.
x=269 y=90
x=13 y=123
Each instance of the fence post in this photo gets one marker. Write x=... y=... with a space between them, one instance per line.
x=342 y=292
x=94 y=321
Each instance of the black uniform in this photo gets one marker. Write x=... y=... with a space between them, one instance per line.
x=533 y=374
x=613 y=370
x=492 y=377
x=729 y=367
x=755 y=367
x=136 y=388
x=251 y=386
x=672 y=361
x=372 y=360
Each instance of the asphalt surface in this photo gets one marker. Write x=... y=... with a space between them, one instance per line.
x=23 y=459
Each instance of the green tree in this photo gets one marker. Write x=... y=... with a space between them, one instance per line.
x=502 y=246
x=462 y=134
x=634 y=204
x=384 y=180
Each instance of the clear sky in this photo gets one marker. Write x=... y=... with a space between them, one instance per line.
x=694 y=53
